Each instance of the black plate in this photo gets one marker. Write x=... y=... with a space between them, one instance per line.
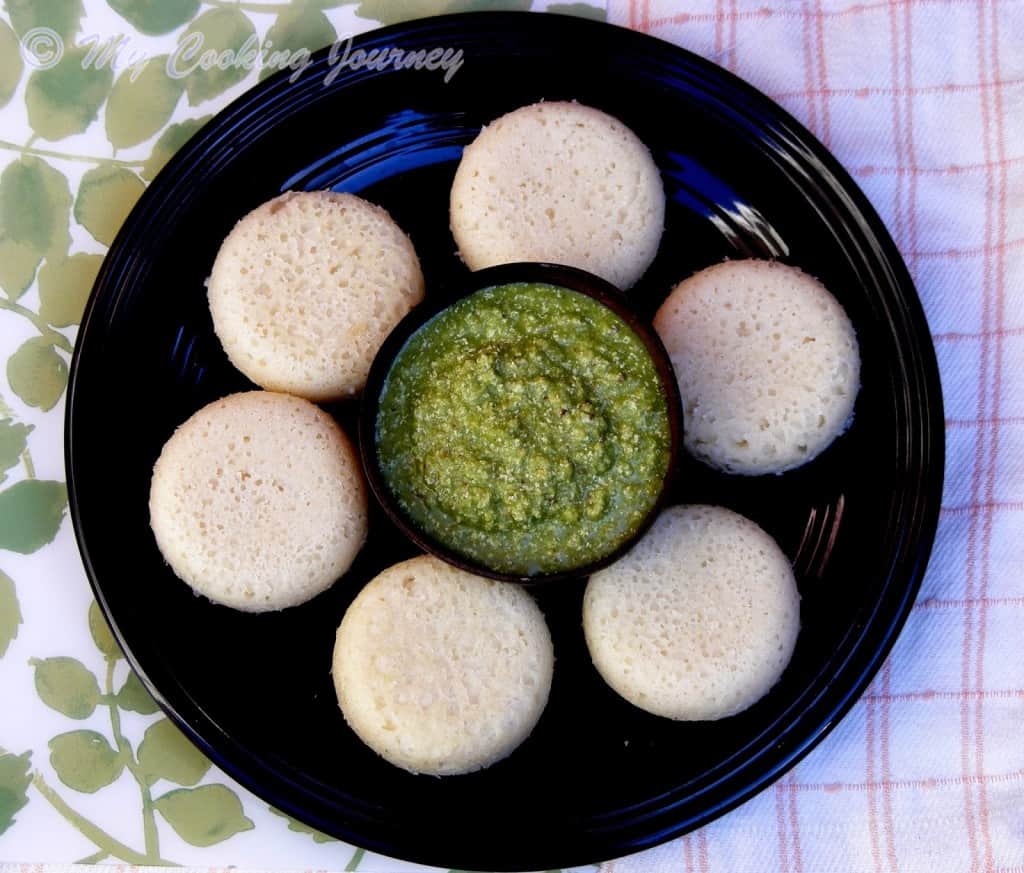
x=598 y=778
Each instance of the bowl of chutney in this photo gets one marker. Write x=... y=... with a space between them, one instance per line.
x=523 y=426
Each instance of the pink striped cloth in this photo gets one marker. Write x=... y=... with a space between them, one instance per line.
x=923 y=102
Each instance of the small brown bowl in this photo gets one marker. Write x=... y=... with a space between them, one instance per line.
x=551 y=274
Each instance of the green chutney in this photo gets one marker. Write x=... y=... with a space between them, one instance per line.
x=525 y=428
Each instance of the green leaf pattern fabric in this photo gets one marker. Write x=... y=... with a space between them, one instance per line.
x=165 y=753
x=63 y=16
x=221 y=30
x=11 y=64
x=141 y=103
x=83 y=130
x=83 y=760
x=66 y=98
x=14 y=782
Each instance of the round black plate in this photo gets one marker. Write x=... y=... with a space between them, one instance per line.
x=598 y=778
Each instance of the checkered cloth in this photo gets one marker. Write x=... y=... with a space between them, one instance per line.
x=923 y=102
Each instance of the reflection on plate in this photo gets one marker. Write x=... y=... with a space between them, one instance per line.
x=598 y=778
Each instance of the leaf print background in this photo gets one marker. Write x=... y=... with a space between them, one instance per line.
x=90 y=770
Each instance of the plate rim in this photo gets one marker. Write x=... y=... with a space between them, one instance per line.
x=117 y=269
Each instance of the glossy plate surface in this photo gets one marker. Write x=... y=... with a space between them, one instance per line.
x=598 y=778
